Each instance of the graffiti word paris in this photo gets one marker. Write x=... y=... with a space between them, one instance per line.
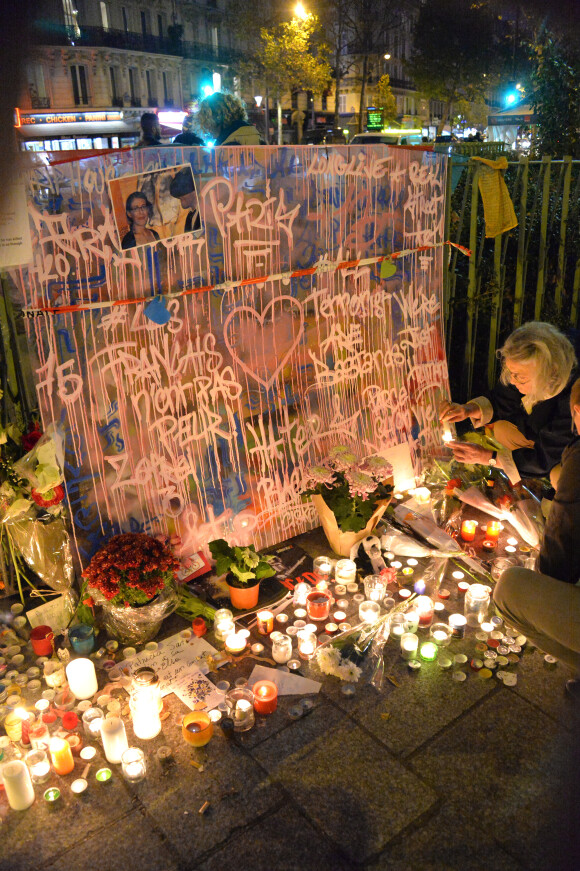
x=195 y=380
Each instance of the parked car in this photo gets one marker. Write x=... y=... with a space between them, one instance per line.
x=323 y=136
x=387 y=139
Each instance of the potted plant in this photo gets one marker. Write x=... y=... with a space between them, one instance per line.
x=244 y=569
x=350 y=494
x=132 y=578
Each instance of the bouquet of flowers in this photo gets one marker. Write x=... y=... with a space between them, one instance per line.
x=32 y=529
x=131 y=569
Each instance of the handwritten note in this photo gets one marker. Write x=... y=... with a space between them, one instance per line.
x=174 y=661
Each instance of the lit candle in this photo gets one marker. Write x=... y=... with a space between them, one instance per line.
x=38 y=765
x=133 y=765
x=145 y=701
x=441 y=634
x=197 y=728
x=369 y=612
x=18 y=785
x=301 y=590
x=61 y=756
x=493 y=530
x=282 y=648
x=265 y=622
x=419 y=587
x=92 y=719
x=397 y=625
x=428 y=651
x=409 y=645
x=468 y=528
x=512 y=541
x=424 y=607
x=345 y=571
x=457 y=575
x=265 y=697
x=322 y=568
x=223 y=623
x=457 y=622
x=318 y=605
x=462 y=587
x=422 y=495
x=510 y=549
x=306 y=644
x=114 y=738
x=235 y=642
x=82 y=678
x=489 y=544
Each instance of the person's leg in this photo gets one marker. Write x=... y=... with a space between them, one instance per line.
x=547 y=611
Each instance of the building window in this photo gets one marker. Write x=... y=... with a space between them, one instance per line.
x=37 y=87
x=144 y=30
x=160 y=25
x=116 y=98
x=151 y=90
x=215 y=39
x=167 y=93
x=342 y=104
x=104 y=16
x=135 y=97
x=125 y=19
x=78 y=76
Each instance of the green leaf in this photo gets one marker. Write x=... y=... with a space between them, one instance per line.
x=388 y=269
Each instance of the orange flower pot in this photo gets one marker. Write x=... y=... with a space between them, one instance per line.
x=244 y=598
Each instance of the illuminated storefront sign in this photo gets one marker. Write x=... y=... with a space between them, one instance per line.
x=24 y=120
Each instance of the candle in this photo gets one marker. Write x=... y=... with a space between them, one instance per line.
x=322 y=568
x=409 y=645
x=397 y=625
x=419 y=587
x=265 y=697
x=440 y=634
x=462 y=587
x=457 y=575
x=404 y=593
x=18 y=785
x=235 y=642
x=489 y=544
x=241 y=705
x=468 y=528
x=493 y=530
x=457 y=623
x=512 y=541
x=282 y=648
x=339 y=616
x=38 y=765
x=92 y=719
x=51 y=796
x=345 y=571
x=265 y=622
x=318 y=605
x=197 y=728
x=428 y=651
x=104 y=775
x=375 y=588
x=114 y=739
x=422 y=495
x=369 y=612
x=411 y=621
x=223 y=623
x=282 y=619
x=145 y=702
x=424 y=607
x=306 y=644
x=476 y=604
x=257 y=648
x=133 y=765
x=82 y=678
x=61 y=756
x=79 y=785
x=301 y=590
x=510 y=549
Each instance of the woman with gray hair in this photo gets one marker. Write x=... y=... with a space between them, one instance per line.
x=529 y=410
x=223 y=117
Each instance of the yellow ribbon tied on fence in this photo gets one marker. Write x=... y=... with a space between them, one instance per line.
x=498 y=208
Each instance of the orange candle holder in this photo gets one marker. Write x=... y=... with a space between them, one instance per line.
x=265 y=622
x=468 y=529
x=61 y=756
x=493 y=530
x=197 y=728
x=265 y=697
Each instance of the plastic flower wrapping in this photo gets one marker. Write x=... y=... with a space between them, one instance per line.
x=33 y=532
x=352 y=487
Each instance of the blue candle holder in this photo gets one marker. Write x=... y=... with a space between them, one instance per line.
x=82 y=638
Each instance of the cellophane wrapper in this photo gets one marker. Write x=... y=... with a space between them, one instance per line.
x=136 y=625
x=45 y=547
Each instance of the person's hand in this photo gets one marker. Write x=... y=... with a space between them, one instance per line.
x=466 y=452
x=452 y=411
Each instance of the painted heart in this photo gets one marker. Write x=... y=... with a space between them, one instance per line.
x=247 y=332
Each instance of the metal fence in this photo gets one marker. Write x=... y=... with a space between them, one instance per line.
x=529 y=273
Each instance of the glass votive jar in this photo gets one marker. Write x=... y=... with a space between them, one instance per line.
x=457 y=625
x=499 y=566
x=375 y=588
x=133 y=765
x=82 y=638
x=345 y=571
x=38 y=765
x=223 y=623
x=241 y=706
x=323 y=568
x=265 y=622
x=468 y=528
x=92 y=719
x=440 y=634
x=477 y=600
x=197 y=728
x=306 y=644
x=389 y=603
x=411 y=622
x=300 y=593
x=493 y=529
x=369 y=612
x=409 y=645
x=424 y=607
x=282 y=649
x=318 y=605
x=397 y=625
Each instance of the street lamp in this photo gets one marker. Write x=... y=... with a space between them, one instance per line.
x=387 y=56
x=300 y=12
x=258 y=100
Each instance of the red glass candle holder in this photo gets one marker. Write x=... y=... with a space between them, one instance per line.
x=468 y=528
x=265 y=697
x=493 y=530
x=318 y=604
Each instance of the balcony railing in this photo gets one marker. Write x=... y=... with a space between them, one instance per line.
x=99 y=37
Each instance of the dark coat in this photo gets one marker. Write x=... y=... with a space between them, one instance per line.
x=560 y=552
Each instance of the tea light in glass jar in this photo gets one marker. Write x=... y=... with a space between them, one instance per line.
x=223 y=624
x=440 y=633
x=301 y=590
x=38 y=765
x=375 y=588
x=397 y=625
x=411 y=621
x=282 y=649
x=422 y=495
x=235 y=642
x=197 y=728
x=424 y=607
x=282 y=619
x=493 y=529
x=323 y=568
x=369 y=612
x=318 y=605
x=345 y=571
x=468 y=529
x=265 y=622
x=306 y=644
x=114 y=739
x=133 y=765
x=409 y=645
x=92 y=719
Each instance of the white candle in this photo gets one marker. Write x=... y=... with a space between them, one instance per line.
x=235 y=642
x=114 y=738
x=409 y=645
x=18 y=785
x=345 y=571
x=82 y=679
x=368 y=612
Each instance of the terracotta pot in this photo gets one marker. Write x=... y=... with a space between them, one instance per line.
x=244 y=598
